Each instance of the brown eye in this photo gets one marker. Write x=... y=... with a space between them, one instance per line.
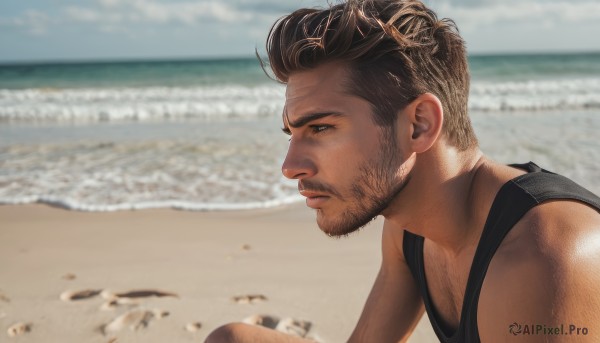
x=319 y=128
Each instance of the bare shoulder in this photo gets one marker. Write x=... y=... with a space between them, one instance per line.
x=544 y=277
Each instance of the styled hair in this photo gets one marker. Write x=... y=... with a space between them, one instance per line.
x=395 y=50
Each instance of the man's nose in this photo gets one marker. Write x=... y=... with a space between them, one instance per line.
x=297 y=164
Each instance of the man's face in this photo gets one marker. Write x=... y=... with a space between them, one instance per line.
x=348 y=168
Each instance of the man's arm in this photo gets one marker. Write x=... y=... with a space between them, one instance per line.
x=394 y=306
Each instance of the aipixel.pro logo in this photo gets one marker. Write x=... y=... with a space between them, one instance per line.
x=546 y=330
x=515 y=328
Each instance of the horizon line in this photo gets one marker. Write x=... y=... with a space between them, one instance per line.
x=108 y=60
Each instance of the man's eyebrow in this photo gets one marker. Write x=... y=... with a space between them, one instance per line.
x=308 y=118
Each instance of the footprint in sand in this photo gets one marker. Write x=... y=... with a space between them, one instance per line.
x=131 y=297
x=134 y=319
x=248 y=298
x=113 y=299
x=70 y=295
x=4 y=298
x=18 y=329
x=69 y=276
x=137 y=294
x=290 y=326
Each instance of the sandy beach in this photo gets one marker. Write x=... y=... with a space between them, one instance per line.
x=141 y=189
x=193 y=263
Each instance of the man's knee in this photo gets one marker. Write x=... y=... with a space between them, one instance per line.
x=228 y=333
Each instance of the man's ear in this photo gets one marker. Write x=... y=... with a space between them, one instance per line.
x=423 y=119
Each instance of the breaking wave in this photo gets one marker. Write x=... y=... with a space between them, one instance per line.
x=90 y=105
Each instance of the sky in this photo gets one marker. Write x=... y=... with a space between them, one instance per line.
x=63 y=30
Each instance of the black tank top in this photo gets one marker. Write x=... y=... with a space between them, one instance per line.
x=513 y=200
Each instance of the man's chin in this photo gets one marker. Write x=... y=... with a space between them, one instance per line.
x=335 y=228
x=335 y=233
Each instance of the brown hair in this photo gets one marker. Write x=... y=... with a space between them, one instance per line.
x=396 y=50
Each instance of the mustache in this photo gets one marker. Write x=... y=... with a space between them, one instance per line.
x=319 y=187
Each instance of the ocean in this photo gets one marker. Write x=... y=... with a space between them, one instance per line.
x=205 y=134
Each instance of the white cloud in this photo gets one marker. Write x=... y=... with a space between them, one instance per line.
x=198 y=27
x=109 y=3
x=491 y=13
x=85 y=15
x=155 y=12
x=31 y=21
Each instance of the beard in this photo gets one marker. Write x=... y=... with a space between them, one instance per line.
x=380 y=180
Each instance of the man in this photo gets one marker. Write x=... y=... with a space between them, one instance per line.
x=376 y=110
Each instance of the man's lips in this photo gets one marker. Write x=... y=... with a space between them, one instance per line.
x=311 y=194
x=314 y=199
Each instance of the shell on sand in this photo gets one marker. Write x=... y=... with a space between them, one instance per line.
x=18 y=329
x=109 y=305
x=193 y=327
x=107 y=294
x=290 y=326
x=293 y=327
x=134 y=319
x=262 y=320
x=70 y=295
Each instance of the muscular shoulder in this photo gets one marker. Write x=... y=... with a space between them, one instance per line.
x=545 y=273
x=557 y=230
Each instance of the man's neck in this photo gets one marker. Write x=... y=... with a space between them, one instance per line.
x=443 y=201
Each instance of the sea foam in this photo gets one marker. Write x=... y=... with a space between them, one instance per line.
x=539 y=95
x=91 y=105
x=139 y=104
